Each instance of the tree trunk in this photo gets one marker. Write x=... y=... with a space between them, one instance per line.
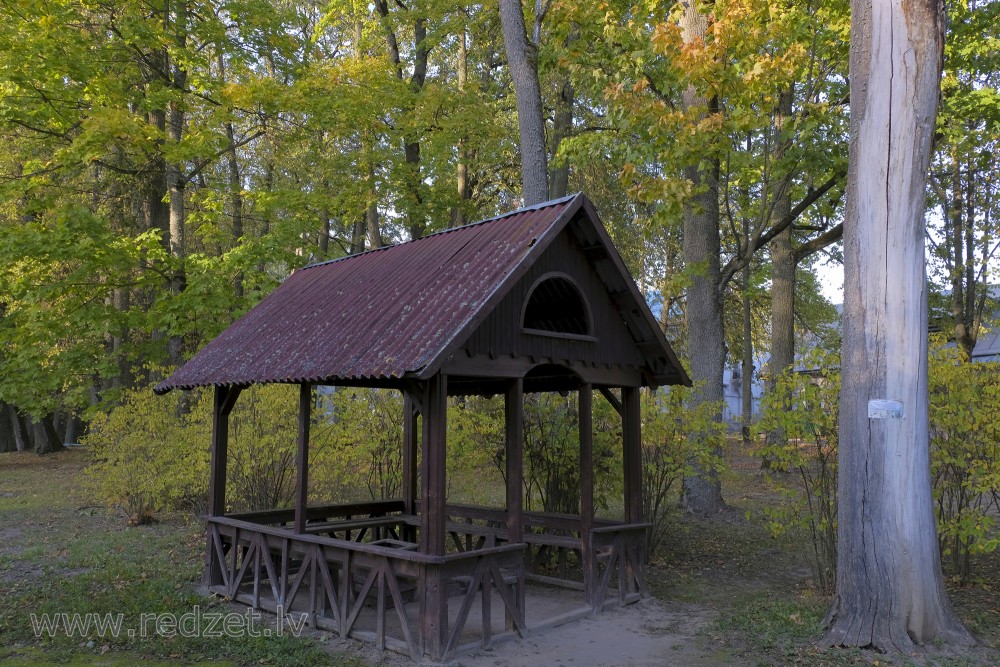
x=562 y=127
x=707 y=347
x=782 y=263
x=890 y=592
x=7 y=443
x=46 y=439
x=522 y=59
x=358 y=231
x=374 y=230
x=747 y=373
x=462 y=169
x=175 y=178
x=22 y=439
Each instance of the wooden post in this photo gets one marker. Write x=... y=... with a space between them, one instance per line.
x=433 y=488
x=409 y=455
x=302 y=458
x=514 y=413
x=632 y=454
x=434 y=593
x=410 y=442
x=587 y=491
x=224 y=401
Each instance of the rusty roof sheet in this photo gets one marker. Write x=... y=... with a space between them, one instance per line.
x=375 y=315
x=388 y=313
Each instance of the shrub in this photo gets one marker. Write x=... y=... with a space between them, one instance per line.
x=803 y=407
x=674 y=438
x=151 y=453
x=964 y=438
x=358 y=443
x=965 y=455
x=263 y=442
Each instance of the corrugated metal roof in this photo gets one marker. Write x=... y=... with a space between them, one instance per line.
x=386 y=313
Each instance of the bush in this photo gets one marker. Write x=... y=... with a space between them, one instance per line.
x=965 y=455
x=152 y=453
x=804 y=409
x=964 y=437
x=669 y=450
x=263 y=443
x=358 y=443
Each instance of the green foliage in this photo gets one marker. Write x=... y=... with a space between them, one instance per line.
x=965 y=455
x=151 y=453
x=964 y=436
x=263 y=436
x=799 y=420
x=358 y=444
x=669 y=452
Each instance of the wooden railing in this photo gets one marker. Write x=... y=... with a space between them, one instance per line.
x=554 y=550
x=361 y=589
x=620 y=553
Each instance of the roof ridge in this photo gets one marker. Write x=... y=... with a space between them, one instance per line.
x=533 y=207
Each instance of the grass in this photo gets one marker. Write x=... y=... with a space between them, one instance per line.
x=65 y=561
x=769 y=611
x=61 y=554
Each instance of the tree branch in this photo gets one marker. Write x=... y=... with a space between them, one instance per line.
x=207 y=161
x=816 y=244
x=738 y=262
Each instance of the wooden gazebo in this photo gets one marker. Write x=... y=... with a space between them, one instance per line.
x=534 y=300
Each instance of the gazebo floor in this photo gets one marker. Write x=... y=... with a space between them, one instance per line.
x=545 y=607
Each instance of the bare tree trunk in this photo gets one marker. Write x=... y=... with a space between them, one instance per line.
x=747 y=386
x=522 y=58
x=175 y=177
x=782 y=265
x=462 y=169
x=358 y=230
x=7 y=443
x=46 y=439
x=890 y=592
x=22 y=439
x=707 y=347
x=782 y=278
x=411 y=145
x=371 y=216
x=235 y=188
x=562 y=127
x=156 y=214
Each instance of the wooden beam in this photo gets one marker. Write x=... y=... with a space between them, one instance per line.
x=433 y=480
x=514 y=434
x=587 y=490
x=632 y=453
x=612 y=399
x=514 y=413
x=302 y=458
x=224 y=400
x=409 y=454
